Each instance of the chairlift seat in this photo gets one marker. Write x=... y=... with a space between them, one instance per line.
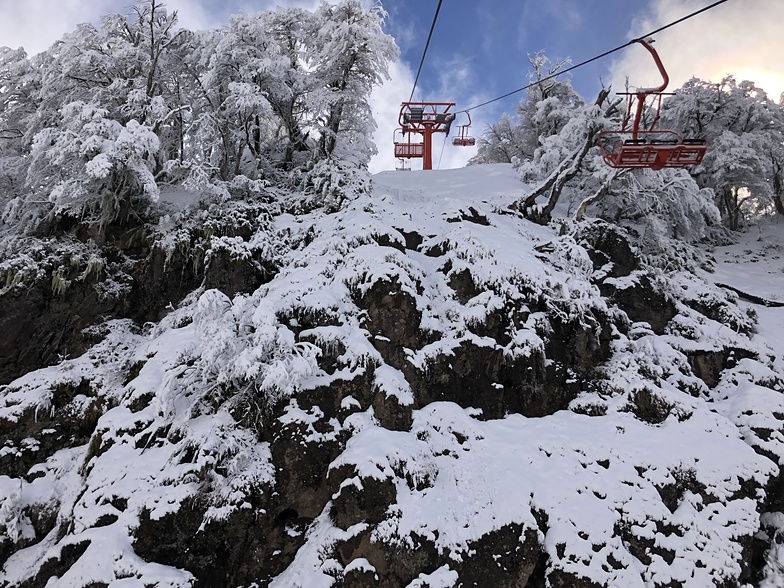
x=417 y=114
x=652 y=149
x=409 y=150
x=464 y=141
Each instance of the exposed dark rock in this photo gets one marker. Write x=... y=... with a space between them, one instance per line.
x=57 y=566
x=613 y=256
x=471 y=215
x=390 y=413
x=708 y=365
x=504 y=558
x=575 y=348
x=163 y=279
x=361 y=500
x=485 y=377
x=68 y=421
x=45 y=321
x=219 y=553
x=395 y=564
x=41 y=327
x=481 y=377
x=562 y=579
x=232 y=275
x=642 y=301
x=609 y=248
x=463 y=284
x=390 y=240
x=393 y=320
x=302 y=466
x=412 y=238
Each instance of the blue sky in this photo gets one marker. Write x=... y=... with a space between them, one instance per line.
x=488 y=41
x=480 y=48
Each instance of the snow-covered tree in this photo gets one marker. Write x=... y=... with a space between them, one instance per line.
x=550 y=103
x=19 y=82
x=92 y=167
x=101 y=110
x=567 y=162
x=500 y=143
x=350 y=53
x=90 y=128
x=257 y=73
x=745 y=133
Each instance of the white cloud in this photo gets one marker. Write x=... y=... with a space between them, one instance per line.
x=568 y=16
x=37 y=24
x=193 y=15
x=386 y=101
x=739 y=38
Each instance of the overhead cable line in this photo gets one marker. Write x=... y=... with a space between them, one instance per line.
x=432 y=28
x=442 y=152
x=587 y=61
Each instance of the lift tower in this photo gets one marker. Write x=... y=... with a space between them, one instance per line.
x=423 y=118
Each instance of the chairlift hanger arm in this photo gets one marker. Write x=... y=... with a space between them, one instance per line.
x=642 y=93
x=665 y=78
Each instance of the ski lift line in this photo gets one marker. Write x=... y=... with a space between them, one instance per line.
x=605 y=54
x=427 y=44
x=442 y=152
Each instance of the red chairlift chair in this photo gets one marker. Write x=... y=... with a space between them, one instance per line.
x=463 y=139
x=405 y=149
x=645 y=147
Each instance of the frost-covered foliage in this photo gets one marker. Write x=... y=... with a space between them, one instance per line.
x=28 y=261
x=248 y=346
x=95 y=126
x=744 y=129
x=569 y=177
x=663 y=207
x=91 y=167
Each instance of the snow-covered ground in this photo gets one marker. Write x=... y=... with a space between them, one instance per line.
x=755 y=265
x=465 y=185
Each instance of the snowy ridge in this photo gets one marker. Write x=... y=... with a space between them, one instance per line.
x=642 y=472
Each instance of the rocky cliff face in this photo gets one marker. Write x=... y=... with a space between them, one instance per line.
x=413 y=391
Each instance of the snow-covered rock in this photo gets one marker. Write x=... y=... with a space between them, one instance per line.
x=420 y=389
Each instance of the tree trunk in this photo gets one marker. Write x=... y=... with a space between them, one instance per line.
x=565 y=172
x=598 y=195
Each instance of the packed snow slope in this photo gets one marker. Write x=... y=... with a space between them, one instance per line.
x=427 y=391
